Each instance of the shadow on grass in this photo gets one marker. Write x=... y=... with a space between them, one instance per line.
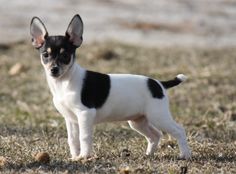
x=53 y=166
x=107 y=165
x=62 y=166
x=28 y=131
x=214 y=158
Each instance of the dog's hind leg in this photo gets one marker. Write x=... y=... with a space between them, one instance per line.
x=164 y=122
x=152 y=135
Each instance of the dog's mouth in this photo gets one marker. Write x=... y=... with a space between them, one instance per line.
x=55 y=75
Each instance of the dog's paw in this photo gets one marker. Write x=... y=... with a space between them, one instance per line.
x=83 y=159
x=77 y=158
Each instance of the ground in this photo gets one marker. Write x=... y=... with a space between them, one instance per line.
x=205 y=105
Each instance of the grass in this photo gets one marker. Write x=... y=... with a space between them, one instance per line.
x=204 y=104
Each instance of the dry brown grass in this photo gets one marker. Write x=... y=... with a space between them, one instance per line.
x=205 y=105
x=146 y=26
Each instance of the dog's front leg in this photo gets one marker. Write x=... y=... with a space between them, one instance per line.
x=72 y=127
x=86 y=121
x=73 y=137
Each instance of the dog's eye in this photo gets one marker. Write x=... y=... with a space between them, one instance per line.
x=45 y=54
x=64 y=54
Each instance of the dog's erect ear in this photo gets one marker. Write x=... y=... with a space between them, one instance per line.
x=75 y=31
x=38 y=32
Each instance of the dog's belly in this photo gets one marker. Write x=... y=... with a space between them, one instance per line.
x=118 y=112
x=113 y=118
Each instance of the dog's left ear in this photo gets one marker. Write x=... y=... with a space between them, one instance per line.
x=38 y=32
x=75 y=31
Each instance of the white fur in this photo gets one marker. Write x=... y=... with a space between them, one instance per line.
x=182 y=77
x=129 y=100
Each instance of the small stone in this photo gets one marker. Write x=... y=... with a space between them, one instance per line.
x=3 y=161
x=124 y=170
x=42 y=157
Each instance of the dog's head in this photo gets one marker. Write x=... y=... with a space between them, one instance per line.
x=57 y=52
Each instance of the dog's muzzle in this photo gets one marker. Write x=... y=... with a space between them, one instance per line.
x=55 y=71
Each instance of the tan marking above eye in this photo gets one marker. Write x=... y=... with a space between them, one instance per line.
x=49 y=50
x=62 y=50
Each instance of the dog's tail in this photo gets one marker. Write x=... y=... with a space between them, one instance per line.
x=174 y=82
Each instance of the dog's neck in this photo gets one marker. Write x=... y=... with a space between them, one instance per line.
x=67 y=80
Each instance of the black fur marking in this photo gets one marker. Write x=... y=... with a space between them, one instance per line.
x=95 y=90
x=171 y=83
x=56 y=43
x=155 y=89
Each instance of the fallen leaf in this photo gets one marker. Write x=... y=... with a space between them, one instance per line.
x=16 y=69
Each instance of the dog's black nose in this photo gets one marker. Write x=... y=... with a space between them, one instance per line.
x=55 y=70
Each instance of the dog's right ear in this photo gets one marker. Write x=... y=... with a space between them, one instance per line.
x=38 y=32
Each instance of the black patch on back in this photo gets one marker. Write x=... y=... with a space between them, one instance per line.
x=155 y=89
x=95 y=89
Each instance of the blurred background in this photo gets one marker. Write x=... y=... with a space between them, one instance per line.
x=157 y=38
x=204 y=23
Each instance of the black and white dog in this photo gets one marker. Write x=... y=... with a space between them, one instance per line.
x=85 y=98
